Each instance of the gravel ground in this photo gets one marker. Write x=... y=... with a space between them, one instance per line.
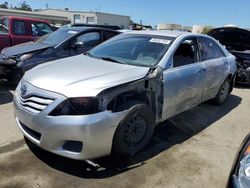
x=193 y=149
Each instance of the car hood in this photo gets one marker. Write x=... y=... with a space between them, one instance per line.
x=82 y=75
x=235 y=39
x=23 y=48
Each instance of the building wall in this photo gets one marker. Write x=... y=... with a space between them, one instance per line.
x=96 y=17
x=112 y=19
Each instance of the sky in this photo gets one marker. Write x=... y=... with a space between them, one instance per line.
x=184 y=12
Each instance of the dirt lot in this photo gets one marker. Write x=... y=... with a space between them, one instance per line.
x=194 y=149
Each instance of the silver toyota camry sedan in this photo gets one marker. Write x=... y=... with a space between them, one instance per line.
x=110 y=99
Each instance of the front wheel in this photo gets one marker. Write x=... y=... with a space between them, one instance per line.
x=135 y=130
x=221 y=97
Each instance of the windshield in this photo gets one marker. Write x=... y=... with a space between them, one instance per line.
x=138 y=50
x=57 y=37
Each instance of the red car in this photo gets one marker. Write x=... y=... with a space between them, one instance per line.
x=16 y=30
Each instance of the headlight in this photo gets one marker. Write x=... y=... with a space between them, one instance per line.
x=26 y=56
x=241 y=176
x=77 y=106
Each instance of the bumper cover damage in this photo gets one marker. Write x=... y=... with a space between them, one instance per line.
x=95 y=132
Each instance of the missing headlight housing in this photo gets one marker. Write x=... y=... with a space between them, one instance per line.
x=77 y=106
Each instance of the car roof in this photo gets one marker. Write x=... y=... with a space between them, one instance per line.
x=82 y=29
x=169 y=33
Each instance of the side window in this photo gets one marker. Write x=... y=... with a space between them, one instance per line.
x=108 y=34
x=186 y=53
x=19 y=27
x=90 y=39
x=209 y=49
x=40 y=29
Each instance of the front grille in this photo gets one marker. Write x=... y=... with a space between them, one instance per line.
x=31 y=132
x=34 y=103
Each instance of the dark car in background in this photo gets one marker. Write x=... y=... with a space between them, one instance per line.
x=237 y=41
x=16 y=30
x=64 y=42
x=240 y=173
x=113 y=27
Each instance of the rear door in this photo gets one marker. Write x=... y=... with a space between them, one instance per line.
x=184 y=82
x=19 y=31
x=216 y=65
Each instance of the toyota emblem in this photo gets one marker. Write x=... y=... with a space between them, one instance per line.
x=23 y=89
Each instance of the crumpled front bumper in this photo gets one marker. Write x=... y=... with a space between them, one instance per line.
x=243 y=76
x=95 y=131
x=6 y=66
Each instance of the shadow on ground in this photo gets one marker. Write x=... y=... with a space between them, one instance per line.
x=5 y=92
x=167 y=134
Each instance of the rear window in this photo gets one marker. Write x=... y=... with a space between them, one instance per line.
x=108 y=34
x=40 y=29
x=19 y=27
x=57 y=37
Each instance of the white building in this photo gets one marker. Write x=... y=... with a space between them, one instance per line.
x=90 y=17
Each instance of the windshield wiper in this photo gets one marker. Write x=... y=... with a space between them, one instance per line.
x=111 y=59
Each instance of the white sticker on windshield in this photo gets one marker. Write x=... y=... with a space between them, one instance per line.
x=72 y=32
x=162 y=41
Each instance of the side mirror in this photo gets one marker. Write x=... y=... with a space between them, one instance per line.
x=78 y=44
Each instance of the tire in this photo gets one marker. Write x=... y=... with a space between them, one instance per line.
x=222 y=95
x=135 y=130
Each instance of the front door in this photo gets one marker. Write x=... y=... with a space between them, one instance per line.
x=184 y=82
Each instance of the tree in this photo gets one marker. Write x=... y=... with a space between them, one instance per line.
x=5 y=5
x=206 y=30
x=24 y=6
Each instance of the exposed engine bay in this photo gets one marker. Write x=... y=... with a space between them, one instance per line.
x=237 y=41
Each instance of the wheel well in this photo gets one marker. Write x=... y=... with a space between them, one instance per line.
x=231 y=78
x=125 y=97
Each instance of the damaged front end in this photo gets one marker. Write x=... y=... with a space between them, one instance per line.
x=237 y=41
x=243 y=67
x=7 y=65
x=148 y=90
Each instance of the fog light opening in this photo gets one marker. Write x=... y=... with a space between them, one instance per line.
x=73 y=146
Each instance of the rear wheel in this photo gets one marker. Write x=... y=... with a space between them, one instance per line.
x=135 y=130
x=221 y=97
